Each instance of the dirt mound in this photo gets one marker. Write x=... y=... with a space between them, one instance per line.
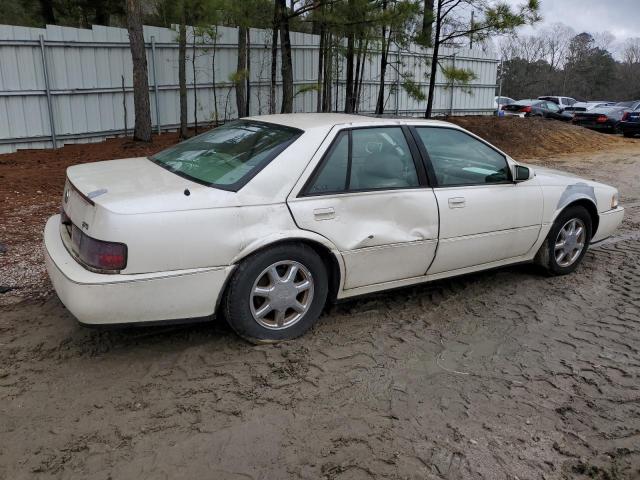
x=537 y=137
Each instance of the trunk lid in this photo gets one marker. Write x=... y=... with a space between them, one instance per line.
x=135 y=185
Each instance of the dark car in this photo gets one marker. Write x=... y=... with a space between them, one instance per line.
x=534 y=108
x=630 y=123
x=562 y=102
x=605 y=119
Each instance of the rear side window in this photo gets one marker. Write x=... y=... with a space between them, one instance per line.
x=460 y=159
x=229 y=156
x=332 y=174
x=366 y=159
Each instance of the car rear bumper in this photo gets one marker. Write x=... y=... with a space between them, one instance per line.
x=101 y=299
x=608 y=223
x=608 y=127
x=630 y=127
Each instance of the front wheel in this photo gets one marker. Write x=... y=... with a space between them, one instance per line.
x=276 y=294
x=567 y=242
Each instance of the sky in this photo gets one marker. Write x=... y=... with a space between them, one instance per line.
x=619 y=17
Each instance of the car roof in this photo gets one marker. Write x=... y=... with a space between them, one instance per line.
x=307 y=121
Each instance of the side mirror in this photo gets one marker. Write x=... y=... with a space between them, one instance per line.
x=522 y=174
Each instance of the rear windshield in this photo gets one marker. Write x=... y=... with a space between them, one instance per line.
x=229 y=156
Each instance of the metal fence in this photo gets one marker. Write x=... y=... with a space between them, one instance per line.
x=66 y=85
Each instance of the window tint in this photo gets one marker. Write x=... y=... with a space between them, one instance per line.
x=332 y=176
x=380 y=159
x=460 y=159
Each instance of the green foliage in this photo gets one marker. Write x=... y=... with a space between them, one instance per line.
x=412 y=88
x=457 y=76
x=309 y=87
x=238 y=76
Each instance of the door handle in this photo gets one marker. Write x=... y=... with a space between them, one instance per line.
x=324 y=213
x=457 y=202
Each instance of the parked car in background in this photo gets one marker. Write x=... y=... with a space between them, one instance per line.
x=605 y=119
x=630 y=122
x=499 y=102
x=562 y=102
x=569 y=112
x=267 y=218
x=534 y=108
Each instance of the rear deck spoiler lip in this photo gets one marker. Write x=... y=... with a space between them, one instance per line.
x=84 y=197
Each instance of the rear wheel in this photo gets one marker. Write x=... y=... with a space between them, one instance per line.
x=567 y=242
x=276 y=294
x=628 y=134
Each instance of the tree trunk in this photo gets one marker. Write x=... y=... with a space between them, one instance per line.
x=359 y=84
x=142 y=129
x=274 y=59
x=285 y=52
x=182 y=74
x=383 y=66
x=427 y=23
x=46 y=8
x=213 y=73
x=195 y=85
x=434 y=62
x=248 y=76
x=328 y=74
x=241 y=71
x=359 y=65
x=102 y=15
x=319 y=84
x=348 y=97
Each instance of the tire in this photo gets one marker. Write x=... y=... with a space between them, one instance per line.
x=550 y=256
x=257 y=317
x=628 y=134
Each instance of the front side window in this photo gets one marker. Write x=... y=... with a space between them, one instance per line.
x=227 y=156
x=553 y=107
x=459 y=159
x=366 y=159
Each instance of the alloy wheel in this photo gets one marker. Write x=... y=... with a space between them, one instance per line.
x=281 y=295
x=570 y=242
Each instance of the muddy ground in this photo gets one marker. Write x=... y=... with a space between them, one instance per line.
x=507 y=374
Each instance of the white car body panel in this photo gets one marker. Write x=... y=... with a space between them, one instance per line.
x=395 y=229
x=493 y=222
x=182 y=249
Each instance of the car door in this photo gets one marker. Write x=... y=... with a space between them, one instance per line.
x=368 y=194
x=484 y=216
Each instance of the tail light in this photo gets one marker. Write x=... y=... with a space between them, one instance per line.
x=98 y=255
x=625 y=116
x=602 y=119
x=526 y=109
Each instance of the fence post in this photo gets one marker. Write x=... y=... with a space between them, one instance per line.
x=48 y=90
x=452 y=86
x=155 y=81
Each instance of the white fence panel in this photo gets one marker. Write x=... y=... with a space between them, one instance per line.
x=86 y=70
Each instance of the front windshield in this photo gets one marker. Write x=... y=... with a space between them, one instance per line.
x=228 y=156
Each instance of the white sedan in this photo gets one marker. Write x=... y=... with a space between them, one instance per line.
x=265 y=219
